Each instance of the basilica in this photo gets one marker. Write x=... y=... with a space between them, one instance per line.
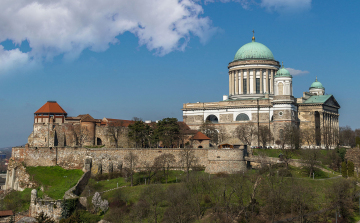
x=261 y=93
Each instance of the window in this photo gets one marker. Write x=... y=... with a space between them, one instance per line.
x=257 y=85
x=244 y=86
x=242 y=117
x=212 y=119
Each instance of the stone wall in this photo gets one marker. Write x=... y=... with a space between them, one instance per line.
x=105 y=160
x=225 y=160
x=51 y=208
x=16 y=177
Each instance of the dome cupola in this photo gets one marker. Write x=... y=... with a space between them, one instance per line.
x=254 y=51
x=317 y=88
x=316 y=85
x=283 y=72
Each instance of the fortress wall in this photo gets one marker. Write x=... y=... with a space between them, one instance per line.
x=112 y=158
x=74 y=158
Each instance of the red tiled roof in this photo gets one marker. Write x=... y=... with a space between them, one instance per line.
x=87 y=118
x=119 y=122
x=6 y=213
x=51 y=107
x=200 y=136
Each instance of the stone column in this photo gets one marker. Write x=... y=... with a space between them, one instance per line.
x=233 y=83
x=229 y=82
x=241 y=90
x=261 y=82
x=272 y=82
x=267 y=81
x=254 y=81
x=248 y=82
x=236 y=82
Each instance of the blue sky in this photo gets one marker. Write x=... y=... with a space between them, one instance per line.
x=125 y=59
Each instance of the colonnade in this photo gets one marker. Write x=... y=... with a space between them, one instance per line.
x=239 y=81
x=329 y=123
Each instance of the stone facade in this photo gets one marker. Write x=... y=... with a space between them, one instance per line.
x=261 y=92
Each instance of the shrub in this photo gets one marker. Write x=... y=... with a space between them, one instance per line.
x=350 y=167
x=284 y=172
x=344 y=169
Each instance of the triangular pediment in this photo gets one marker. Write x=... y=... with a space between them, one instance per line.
x=332 y=102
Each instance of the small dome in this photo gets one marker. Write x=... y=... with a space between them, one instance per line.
x=317 y=85
x=254 y=50
x=283 y=72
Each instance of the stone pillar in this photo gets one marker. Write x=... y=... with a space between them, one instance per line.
x=241 y=82
x=254 y=81
x=236 y=82
x=232 y=82
x=272 y=82
x=248 y=82
x=229 y=82
x=267 y=81
x=32 y=208
x=261 y=82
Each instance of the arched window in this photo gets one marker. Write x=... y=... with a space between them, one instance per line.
x=281 y=88
x=212 y=119
x=242 y=117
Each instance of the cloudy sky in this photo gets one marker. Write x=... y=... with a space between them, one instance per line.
x=145 y=58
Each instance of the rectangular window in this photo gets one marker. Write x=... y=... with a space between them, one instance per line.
x=257 y=85
x=244 y=86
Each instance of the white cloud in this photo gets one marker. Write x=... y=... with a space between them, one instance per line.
x=14 y=60
x=279 y=6
x=296 y=72
x=55 y=27
x=286 y=6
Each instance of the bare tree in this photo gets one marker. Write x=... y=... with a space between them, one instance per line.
x=347 y=136
x=311 y=157
x=131 y=160
x=188 y=159
x=165 y=161
x=264 y=134
x=246 y=132
x=115 y=129
x=308 y=136
x=222 y=134
x=210 y=131
x=291 y=136
x=154 y=196
x=151 y=169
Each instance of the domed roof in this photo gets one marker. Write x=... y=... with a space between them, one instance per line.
x=254 y=50
x=317 y=85
x=283 y=72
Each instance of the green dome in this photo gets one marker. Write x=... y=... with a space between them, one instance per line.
x=317 y=85
x=254 y=50
x=282 y=72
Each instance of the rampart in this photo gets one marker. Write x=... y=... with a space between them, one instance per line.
x=105 y=160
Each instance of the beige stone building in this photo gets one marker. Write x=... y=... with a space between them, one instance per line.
x=261 y=92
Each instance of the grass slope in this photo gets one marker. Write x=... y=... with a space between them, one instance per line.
x=55 y=180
